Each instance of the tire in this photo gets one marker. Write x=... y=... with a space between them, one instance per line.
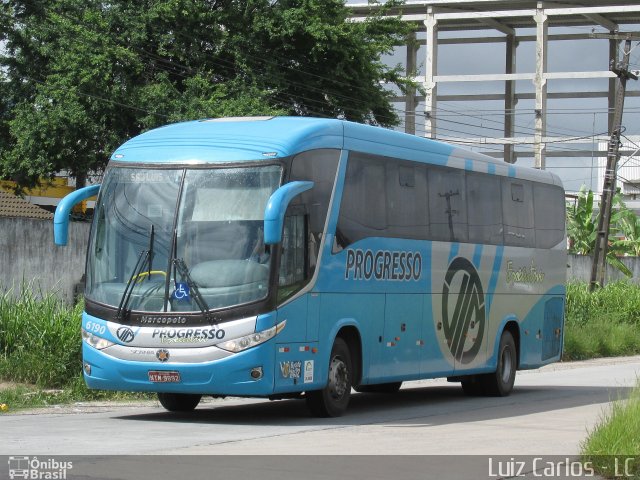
x=500 y=383
x=333 y=400
x=179 y=402
x=379 y=388
x=472 y=385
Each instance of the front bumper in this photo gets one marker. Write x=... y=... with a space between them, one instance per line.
x=226 y=376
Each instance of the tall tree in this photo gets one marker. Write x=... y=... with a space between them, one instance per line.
x=84 y=75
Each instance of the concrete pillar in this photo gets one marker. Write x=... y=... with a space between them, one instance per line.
x=410 y=97
x=431 y=65
x=540 y=83
x=611 y=97
x=509 y=97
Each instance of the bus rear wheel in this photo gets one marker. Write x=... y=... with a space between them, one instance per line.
x=332 y=400
x=499 y=383
x=473 y=385
x=179 y=402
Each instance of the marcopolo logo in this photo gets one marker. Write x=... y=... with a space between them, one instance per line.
x=464 y=325
x=162 y=320
x=125 y=334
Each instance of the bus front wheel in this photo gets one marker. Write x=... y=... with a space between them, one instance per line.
x=179 y=402
x=332 y=400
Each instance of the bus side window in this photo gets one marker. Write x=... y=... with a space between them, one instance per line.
x=447 y=205
x=485 y=209
x=305 y=219
x=320 y=167
x=363 y=210
x=294 y=261
x=549 y=215
x=517 y=210
x=384 y=198
x=407 y=204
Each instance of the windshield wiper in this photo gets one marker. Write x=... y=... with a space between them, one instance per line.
x=126 y=295
x=152 y=237
x=181 y=268
x=145 y=258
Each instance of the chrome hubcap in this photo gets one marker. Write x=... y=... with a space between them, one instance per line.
x=338 y=378
x=506 y=365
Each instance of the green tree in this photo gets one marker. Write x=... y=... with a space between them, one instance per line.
x=67 y=76
x=85 y=75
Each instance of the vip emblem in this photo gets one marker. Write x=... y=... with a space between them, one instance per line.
x=464 y=327
x=162 y=355
x=125 y=334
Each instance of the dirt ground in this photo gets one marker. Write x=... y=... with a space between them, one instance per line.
x=8 y=385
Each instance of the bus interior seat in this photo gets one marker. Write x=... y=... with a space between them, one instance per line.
x=206 y=241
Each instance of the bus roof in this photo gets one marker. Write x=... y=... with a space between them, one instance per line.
x=241 y=139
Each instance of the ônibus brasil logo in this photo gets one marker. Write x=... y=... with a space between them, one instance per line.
x=464 y=327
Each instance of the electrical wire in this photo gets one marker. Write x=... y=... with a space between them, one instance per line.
x=221 y=62
x=172 y=67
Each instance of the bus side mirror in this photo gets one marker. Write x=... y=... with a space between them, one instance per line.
x=276 y=208
x=61 y=218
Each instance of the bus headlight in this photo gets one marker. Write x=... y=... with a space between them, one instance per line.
x=242 y=343
x=98 y=343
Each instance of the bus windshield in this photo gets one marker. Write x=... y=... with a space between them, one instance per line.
x=185 y=240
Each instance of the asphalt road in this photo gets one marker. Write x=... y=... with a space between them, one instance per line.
x=549 y=413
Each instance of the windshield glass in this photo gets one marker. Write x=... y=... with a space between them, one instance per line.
x=212 y=257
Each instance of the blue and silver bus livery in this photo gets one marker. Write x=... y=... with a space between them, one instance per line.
x=283 y=257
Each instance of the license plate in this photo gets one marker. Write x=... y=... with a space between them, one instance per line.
x=164 y=376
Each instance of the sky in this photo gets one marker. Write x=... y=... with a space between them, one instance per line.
x=565 y=117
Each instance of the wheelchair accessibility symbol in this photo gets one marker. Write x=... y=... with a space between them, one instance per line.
x=181 y=293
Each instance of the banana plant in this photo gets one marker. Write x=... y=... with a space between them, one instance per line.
x=582 y=223
x=582 y=226
x=628 y=229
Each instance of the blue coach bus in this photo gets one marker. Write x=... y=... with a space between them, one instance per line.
x=300 y=257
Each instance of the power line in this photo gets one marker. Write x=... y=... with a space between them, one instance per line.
x=173 y=67
x=221 y=62
x=90 y=95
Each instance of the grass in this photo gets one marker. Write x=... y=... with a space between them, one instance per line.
x=40 y=340
x=31 y=396
x=605 y=323
x=613 y=447
x=40 y=348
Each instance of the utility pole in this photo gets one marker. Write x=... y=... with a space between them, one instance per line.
x=613 y=154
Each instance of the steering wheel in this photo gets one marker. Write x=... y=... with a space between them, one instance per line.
x=141 y=276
